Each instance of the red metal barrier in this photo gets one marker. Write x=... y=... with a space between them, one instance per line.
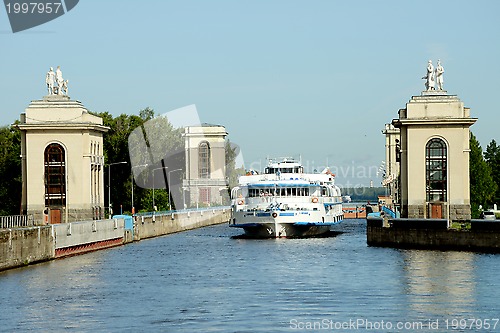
x=78 y=249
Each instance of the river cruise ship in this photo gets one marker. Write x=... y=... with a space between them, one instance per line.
x=286 y=202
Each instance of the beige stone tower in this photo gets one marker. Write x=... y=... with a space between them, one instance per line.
x=205 y=163
x=62 y=161
x=392 y=162
x=435 y=156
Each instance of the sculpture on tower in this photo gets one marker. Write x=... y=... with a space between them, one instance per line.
x=429 y=78
x=439 y=75
x=434 y=75
x=62 y=85
x=49 y=80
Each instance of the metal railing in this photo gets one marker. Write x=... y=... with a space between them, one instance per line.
x=16 y=221
x=168 y=212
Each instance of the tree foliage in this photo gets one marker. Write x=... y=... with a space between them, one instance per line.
x=116 y=151
x=362 y=194
x=154 y=140
x=492 y=156
x=482 y=186
x=10 y=170
x=232 y=173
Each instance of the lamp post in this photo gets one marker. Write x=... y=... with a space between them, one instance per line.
x=168 y=188
x=135 y=166
x=154 y=185
x=109 y=184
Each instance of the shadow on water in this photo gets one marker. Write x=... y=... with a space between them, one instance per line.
x=328 y=234
x=348 y=226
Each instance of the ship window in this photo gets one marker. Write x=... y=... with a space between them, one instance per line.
x=436 y=170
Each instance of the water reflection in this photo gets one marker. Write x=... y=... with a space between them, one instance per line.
x=58 y=292
x=204 y=280
x=439 y=284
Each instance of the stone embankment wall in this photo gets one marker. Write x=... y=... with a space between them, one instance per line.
x=78 y=237
x=24 y=246
x=433 y=234
x=147 y=226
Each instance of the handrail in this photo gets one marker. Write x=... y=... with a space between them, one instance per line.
x=168 y=212
x=16 y=221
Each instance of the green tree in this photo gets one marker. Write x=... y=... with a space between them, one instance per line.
x=126 y=141
x=145 y=201
x=232 y=173
x=492 y=156
x=482 y=187
x=116 y=150
x=147 y=114
x=10 y=170
x=364 y=194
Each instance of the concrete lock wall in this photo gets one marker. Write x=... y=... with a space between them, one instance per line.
x=78 y=237
x=23 y=246
x=426 y=237
x=147 y=226
x=78 y=233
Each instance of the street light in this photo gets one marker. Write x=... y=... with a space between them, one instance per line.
x=135 y=166
x=154 y=184
x=109 y=183
x=168 y=188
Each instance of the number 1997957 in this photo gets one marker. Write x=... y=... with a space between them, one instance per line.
x=33 y=7
x=471 y=324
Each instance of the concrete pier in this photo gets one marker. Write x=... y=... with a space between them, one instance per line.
x=24 y=246
x=149 y=225
x=483 y=236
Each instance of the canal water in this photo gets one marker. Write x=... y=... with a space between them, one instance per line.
x=206 y=280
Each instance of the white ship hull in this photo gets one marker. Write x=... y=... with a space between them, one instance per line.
x=284 y=224
x=278 y=230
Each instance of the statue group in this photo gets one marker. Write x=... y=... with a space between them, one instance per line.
x=56 y=77
x=434 y=75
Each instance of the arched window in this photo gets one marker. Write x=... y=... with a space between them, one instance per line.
x=55 y=175
x=204 y=160
x=436 y=170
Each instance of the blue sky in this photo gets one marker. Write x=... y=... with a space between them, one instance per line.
x=312 y=78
